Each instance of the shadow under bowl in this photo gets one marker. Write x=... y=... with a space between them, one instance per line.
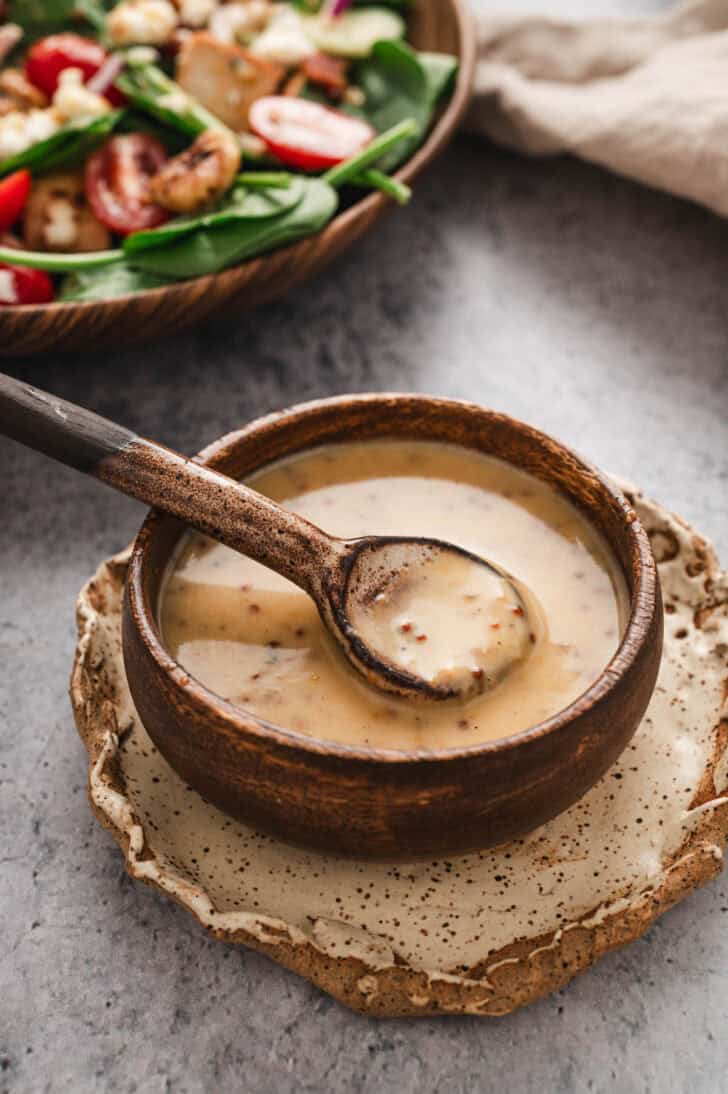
x=384 y=804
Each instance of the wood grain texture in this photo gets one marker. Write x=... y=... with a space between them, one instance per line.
x=442 y=25
x=379 y=804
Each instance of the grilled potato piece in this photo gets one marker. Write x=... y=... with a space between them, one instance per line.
x=225 y=78
x=24 y=94
x=57 y=218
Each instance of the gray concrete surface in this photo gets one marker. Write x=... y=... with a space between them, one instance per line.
x=591 y=307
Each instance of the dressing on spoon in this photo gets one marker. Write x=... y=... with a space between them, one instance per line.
x=447 y=617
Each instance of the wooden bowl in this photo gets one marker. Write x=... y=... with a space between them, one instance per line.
x=375 y=803
x=442 y=25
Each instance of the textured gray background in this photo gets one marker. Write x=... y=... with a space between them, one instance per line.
x=591 y=307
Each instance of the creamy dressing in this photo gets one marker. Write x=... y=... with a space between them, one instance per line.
x=255 y=639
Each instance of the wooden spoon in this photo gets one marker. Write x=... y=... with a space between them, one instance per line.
x=363 y=588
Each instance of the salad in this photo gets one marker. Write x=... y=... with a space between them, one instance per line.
x=148 y=141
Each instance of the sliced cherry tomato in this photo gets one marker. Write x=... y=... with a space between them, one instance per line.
x=306 y=135
x=47 y=59
x=19 y=285
x=14 y=192
x=117 y=182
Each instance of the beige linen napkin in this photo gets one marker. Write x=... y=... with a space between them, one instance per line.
x=645 y=98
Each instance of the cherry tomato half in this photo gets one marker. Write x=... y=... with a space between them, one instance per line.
x=117 y=182
x=305 y=134
x=47 y=59
x=19 y=285
x=14 y=192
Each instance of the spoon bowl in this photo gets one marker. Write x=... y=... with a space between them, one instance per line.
x=416 y=618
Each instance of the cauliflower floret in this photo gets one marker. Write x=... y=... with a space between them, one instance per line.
x=72 y=100
x=141 y=22
x=236 y=22
x=19 y=130
x=284 y=40
x=195 y=13
x=8 y=294
x=60 y=226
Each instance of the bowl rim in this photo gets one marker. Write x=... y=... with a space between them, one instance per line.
x=644 y=599
x=371 y=205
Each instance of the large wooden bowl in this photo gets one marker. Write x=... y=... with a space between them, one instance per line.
x=442 y=25
x=374 y=803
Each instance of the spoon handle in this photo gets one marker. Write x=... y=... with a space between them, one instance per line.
x=207 y=500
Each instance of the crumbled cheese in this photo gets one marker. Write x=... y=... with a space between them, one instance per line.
x=251 y=145
x=284 y=40
x=236 y=22
x=142 y=55
x=195 y=13
x=354 y=96
x=19 y=130
x=176 y=101
x=141 y=22
x=8 y=294
x=60 y=228
x=72 y=100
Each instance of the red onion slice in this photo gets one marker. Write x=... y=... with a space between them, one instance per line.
x=334 y=8
x=102 y=80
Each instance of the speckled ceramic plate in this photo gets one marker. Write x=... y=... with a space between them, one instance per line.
x=480 y=934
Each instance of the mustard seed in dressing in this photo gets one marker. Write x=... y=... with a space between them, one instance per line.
x=253 y=637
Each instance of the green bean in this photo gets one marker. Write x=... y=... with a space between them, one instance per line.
x=344 y=172
x=378 y=180
x=58 y=263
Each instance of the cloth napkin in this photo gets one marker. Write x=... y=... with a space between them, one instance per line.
x=645 y=98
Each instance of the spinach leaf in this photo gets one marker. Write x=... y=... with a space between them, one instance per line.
x=71 y=143
x=242 y=204
x=106 y=282
x=211 y=249
x=94 y=12
x=400 y=83
x=39 y=17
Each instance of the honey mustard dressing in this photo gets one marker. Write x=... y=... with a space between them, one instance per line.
x=256 y=639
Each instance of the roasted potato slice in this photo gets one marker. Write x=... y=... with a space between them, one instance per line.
x=57 y=218
x=225 y=78
x=24 y=94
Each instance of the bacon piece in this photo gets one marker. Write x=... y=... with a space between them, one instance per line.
x=327 y=72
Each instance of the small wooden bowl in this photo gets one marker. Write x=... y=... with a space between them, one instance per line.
x=441 y=25
x=375 y=803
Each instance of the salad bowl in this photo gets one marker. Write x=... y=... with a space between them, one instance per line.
x=441 y=26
